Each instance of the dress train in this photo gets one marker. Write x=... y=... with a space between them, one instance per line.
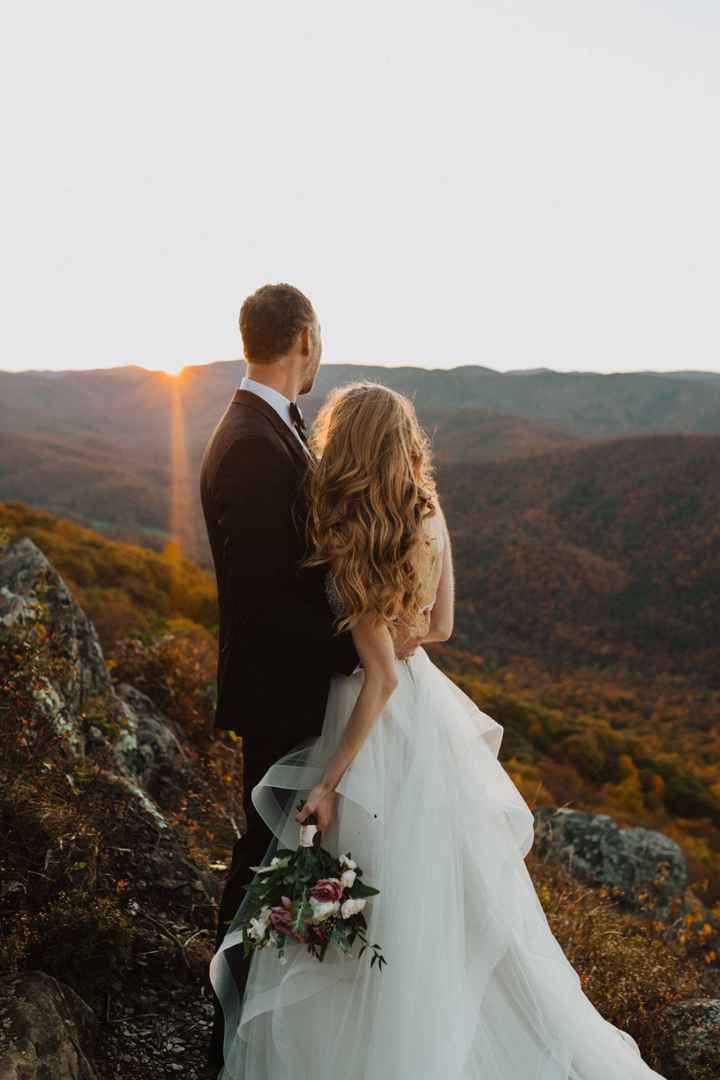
x=476 y=987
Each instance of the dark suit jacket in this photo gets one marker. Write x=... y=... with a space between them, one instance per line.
x=277 y=643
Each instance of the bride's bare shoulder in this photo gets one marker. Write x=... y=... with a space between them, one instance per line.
x=434 y=528
x=434 y=547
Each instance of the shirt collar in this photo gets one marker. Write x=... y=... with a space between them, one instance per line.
x=273 y=397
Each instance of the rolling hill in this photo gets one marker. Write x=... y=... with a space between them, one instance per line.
x=96 y=446
x=605 y=555
x=126 y=492
x=132 y=404
x=574 y=546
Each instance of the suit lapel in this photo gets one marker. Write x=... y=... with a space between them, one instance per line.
x=246 y=397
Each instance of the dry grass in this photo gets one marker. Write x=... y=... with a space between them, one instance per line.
x=630 y=965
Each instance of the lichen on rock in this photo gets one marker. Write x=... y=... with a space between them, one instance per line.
x=688 y=1033
x=631 y=862
x=46 y=1030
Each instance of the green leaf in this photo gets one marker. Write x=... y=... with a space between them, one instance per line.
x=360 y=889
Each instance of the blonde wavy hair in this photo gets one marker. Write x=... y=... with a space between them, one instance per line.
x=369 y=495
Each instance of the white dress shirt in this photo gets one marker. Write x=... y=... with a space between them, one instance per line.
x=275 y=399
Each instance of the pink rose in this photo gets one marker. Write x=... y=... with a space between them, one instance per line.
x=327 y=890
x=281 y=920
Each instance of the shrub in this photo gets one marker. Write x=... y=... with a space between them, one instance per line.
x=176 y=669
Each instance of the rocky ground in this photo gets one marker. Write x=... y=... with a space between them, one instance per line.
x=153 y=1031
x=155 y=1034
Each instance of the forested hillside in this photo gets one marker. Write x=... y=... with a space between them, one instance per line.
x=602 y=553
x=128 y=404
x=606 y=556
x=123 y=587
x=119 y=449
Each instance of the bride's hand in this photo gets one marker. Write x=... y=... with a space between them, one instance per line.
x=321 y=802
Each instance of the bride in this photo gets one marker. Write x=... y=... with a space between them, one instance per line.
x=405 y=777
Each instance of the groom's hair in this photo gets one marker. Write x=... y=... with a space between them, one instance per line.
x=270 y=320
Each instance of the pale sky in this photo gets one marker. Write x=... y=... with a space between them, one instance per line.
x=516 y=184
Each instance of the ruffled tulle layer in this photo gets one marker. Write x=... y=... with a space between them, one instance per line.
x=476 y=987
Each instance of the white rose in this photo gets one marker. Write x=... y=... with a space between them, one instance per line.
x=348 y=879
x=345 y=860
x=323 y=909
x=259 y=925
x=256 y=929
x=352 y=906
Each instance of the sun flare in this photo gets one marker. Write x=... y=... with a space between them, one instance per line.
x=180 y=523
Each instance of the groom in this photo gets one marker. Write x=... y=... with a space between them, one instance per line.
x=277 y=645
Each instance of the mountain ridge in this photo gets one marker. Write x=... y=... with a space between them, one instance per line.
x=588 y=404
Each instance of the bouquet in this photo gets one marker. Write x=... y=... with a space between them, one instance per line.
x=309 y=897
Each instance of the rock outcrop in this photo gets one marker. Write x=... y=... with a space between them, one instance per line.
x=147 y=747
x=141 y=765
x=32 y=591
x=688 y=1034
x=136 y=734
x=630 y=861
x=46 y=1031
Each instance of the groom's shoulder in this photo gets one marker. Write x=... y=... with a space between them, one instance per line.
x=240 y=421
x=241 y=435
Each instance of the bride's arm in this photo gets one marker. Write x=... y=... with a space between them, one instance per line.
x=376 y=651
x=442 y=615
x=437 y=624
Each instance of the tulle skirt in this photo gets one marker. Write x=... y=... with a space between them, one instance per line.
x=476 y=987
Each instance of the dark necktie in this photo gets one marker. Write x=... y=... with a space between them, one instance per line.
x=298 y=422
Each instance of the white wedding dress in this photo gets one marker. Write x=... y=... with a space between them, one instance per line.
x=476 y=987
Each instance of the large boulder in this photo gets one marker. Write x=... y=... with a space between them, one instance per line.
x=688 y=1035
x=47 y=1032
x=137 y=738
x=32 y=591
x=631 y=862
x=120 y=729
x=27 y=581
x=148 y=748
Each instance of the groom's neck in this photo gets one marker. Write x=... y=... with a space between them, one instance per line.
x=282 y=375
